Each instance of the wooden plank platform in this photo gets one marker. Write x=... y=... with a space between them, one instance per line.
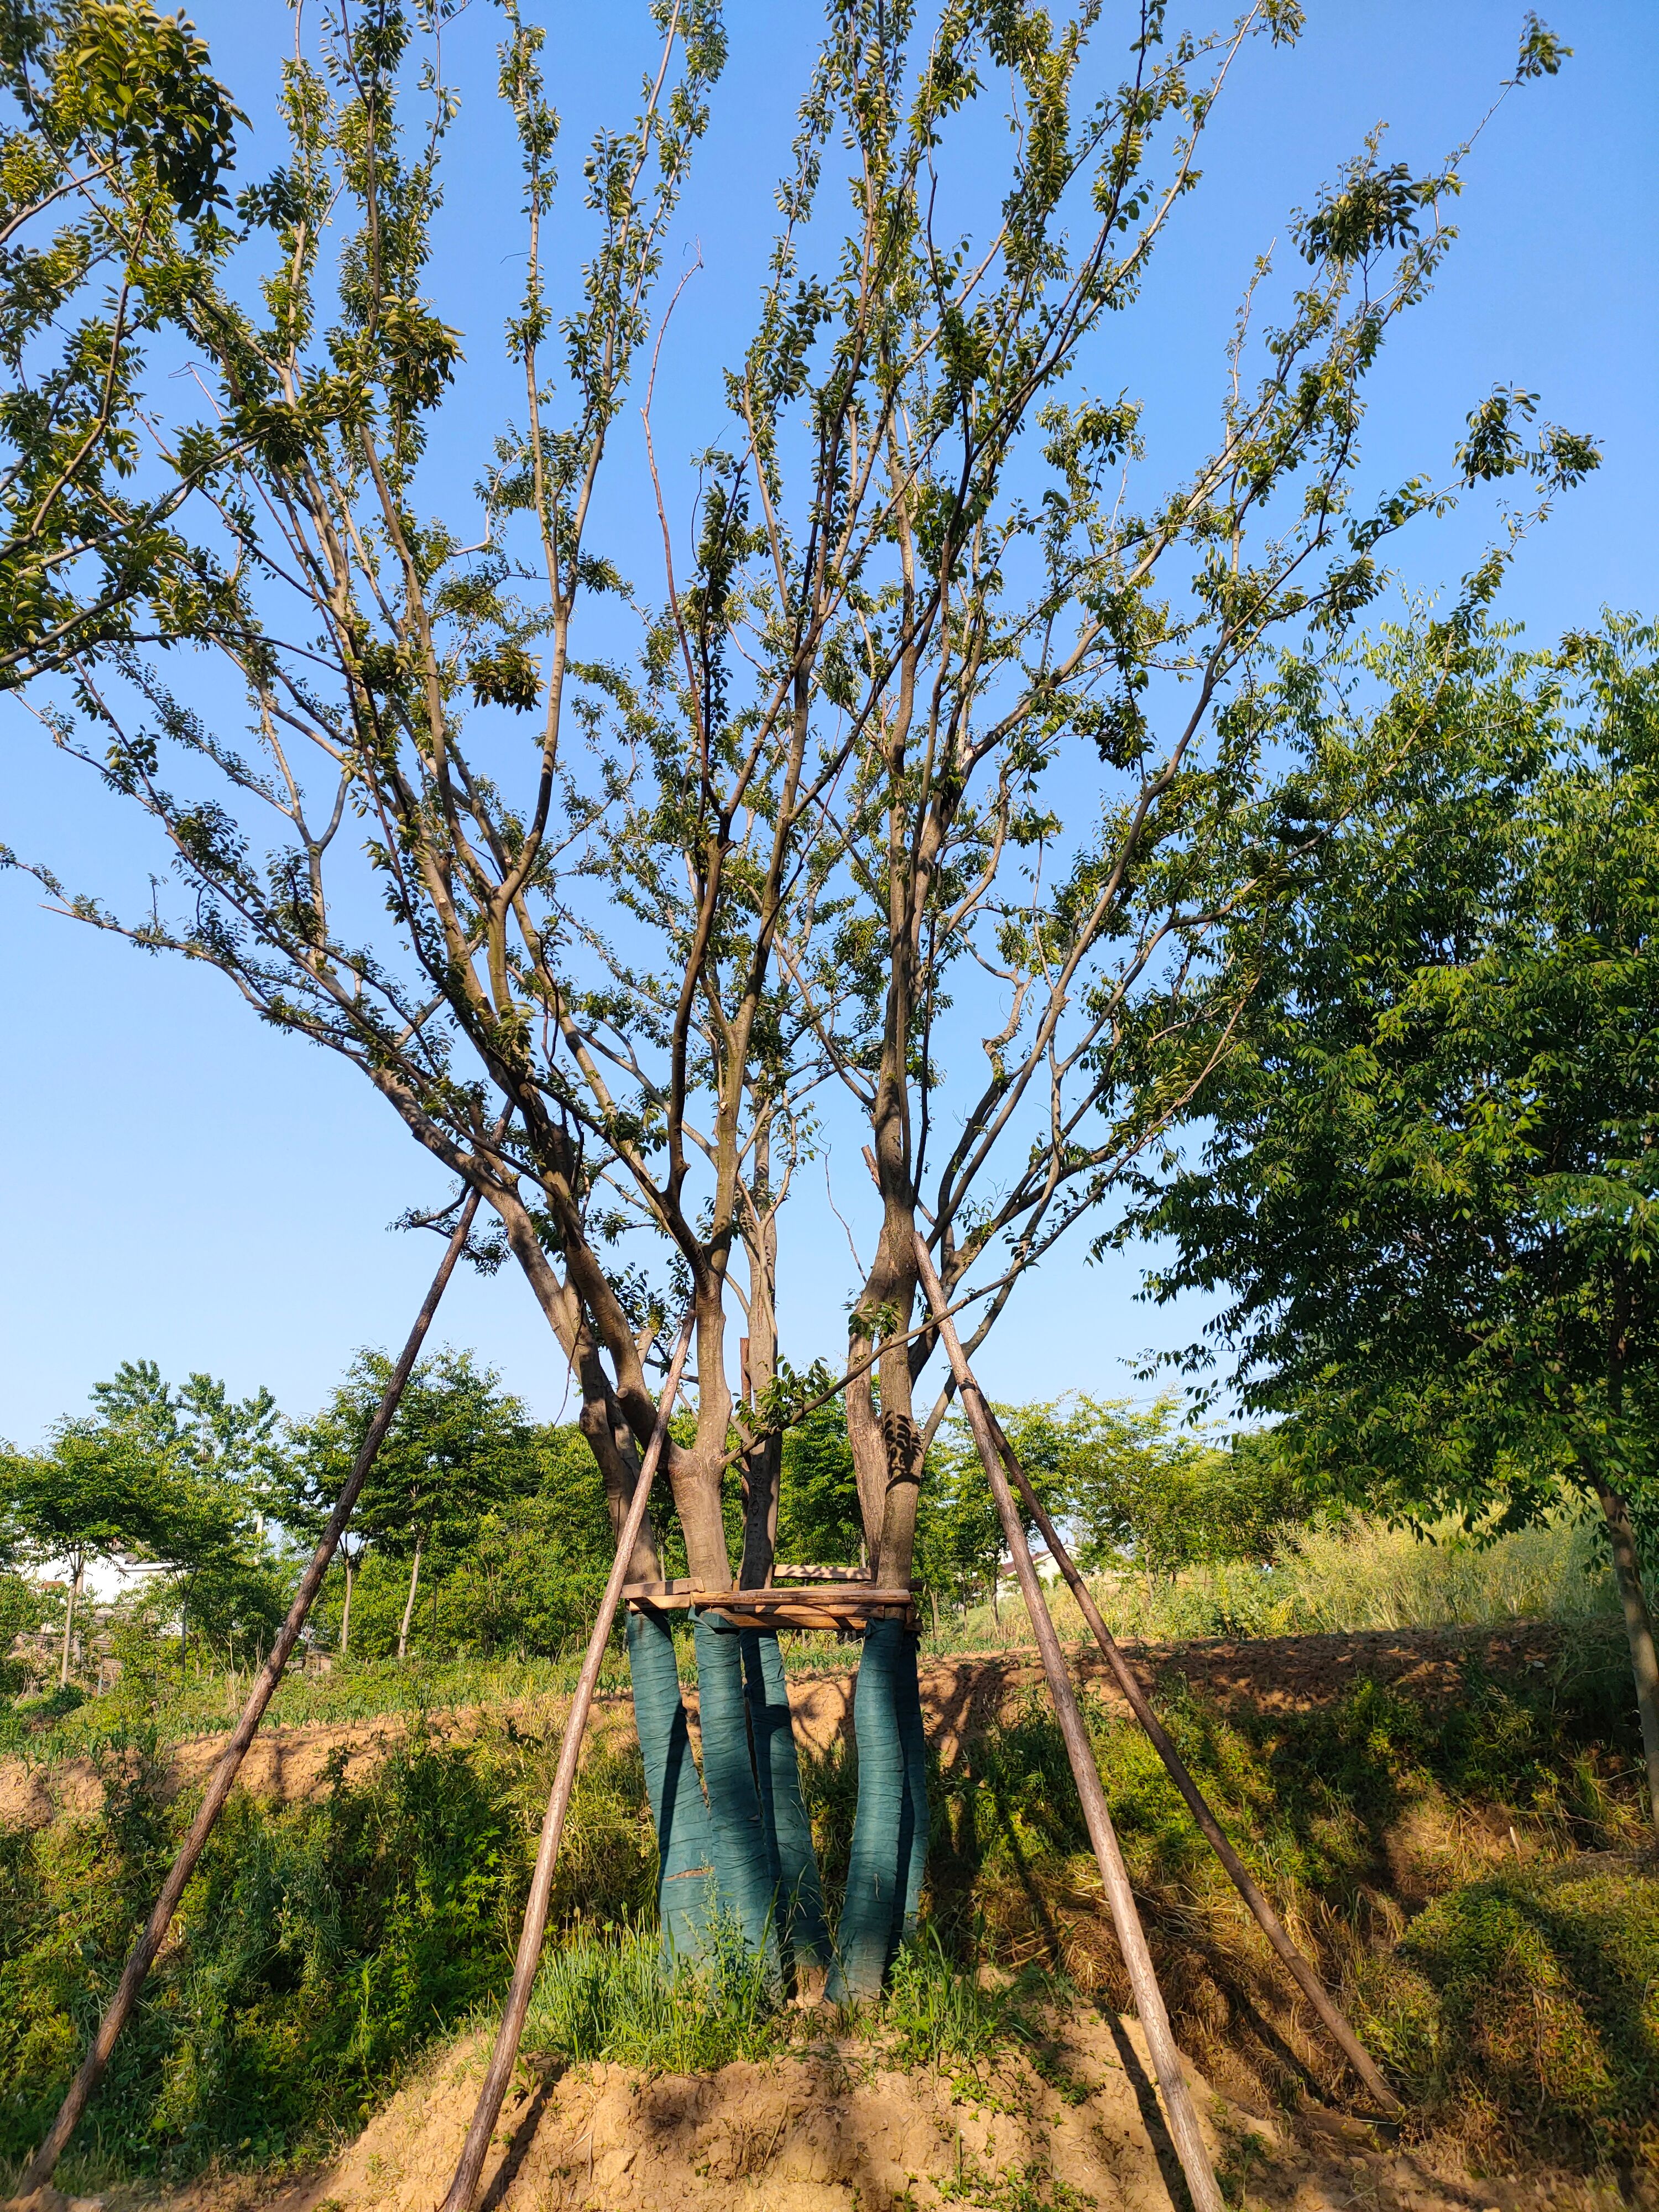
x=838 y=1605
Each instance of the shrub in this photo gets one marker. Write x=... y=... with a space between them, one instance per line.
x=1524 y=2010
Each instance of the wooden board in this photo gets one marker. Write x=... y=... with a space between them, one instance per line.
x=825 y=1606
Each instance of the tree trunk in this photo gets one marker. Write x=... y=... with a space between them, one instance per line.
x=889 y=1829
x=345 y=1610
x=872 y=1914
x=1638 y=1629
x=743 y=1851
x=77 y=1568
x=408 y=1604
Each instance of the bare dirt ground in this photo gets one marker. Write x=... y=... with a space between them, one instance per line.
x=961 y=1696
x=834 y=2131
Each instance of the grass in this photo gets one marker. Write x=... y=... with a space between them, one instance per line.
x=1362 y=1574
x=52 y=1730
x=610 y=1994
x=1464 y=1868
x=614 y=1995
x=1523 y=2010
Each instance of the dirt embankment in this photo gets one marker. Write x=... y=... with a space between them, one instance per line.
x=835 y=2130
x=961 y=1697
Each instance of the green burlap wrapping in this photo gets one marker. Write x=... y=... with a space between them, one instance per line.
x=743 y=1864
x=872 y=1916
x=685 y=1875
x=792 y=1862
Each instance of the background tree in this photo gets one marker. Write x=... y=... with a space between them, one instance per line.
x=458 y=1447
x=828 y=790
x=210 y=1464
x=91 y=1496
x=1429 y=1184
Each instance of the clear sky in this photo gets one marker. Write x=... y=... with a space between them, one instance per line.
x=178 y=1182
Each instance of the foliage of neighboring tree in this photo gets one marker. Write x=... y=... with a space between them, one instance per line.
x=210 y=1461
x=818 y=1519
x=111 y=158
x=1133 y=1487
x=458 y=1447
x=1430 y=1185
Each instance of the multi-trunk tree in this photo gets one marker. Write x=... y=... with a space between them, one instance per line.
x=922 y=773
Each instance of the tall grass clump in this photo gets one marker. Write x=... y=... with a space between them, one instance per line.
x=1344 y=1578
x=1521 y=2012
x=615 y=1995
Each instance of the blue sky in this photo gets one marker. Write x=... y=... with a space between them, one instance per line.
x=182 y=1184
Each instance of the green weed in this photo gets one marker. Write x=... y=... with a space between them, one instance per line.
x=1524 y=2010
x=936 y=2016
x=615 y=1995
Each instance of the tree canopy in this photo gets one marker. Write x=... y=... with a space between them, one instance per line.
x=1428 y=1178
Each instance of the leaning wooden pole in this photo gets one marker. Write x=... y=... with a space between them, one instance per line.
x=44 y=2164
x=504 y=2056
x=1266 y=1919
x=1178 y=2107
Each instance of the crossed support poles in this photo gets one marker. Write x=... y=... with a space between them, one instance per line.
x=1000 y=1462
x=999 y=1459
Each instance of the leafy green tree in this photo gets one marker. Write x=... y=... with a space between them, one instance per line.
x=1429 y=1182
x=458 y=1447
x=818 y=1519
x=531 y=1573
x=111 y=157
x=210 y=1462
x=92 y=1495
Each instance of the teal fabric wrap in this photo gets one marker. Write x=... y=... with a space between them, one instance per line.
x=913 y=1744
x=792 y=1860
x=871 y=1916
x=742 y=1867
x=685 y=1858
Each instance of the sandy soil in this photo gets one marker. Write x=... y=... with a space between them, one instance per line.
x=960 y=1697
x=835 y=2132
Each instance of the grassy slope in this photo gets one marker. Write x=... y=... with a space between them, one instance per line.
x=1464 y=1868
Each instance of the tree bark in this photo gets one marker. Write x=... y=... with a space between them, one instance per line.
x=345 y=1610
x=408 y=1604
x=1638 y=1629
x=77 y=1568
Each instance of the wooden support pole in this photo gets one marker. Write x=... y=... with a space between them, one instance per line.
x=1266 y=1919
x=44 y=2164
x=504 y=2056
x=1178 y=2107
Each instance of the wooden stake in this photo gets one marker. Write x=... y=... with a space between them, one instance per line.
x=1266 y=1919
x=44 y=2164
x=1178 y=2108
x=505 y=2055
